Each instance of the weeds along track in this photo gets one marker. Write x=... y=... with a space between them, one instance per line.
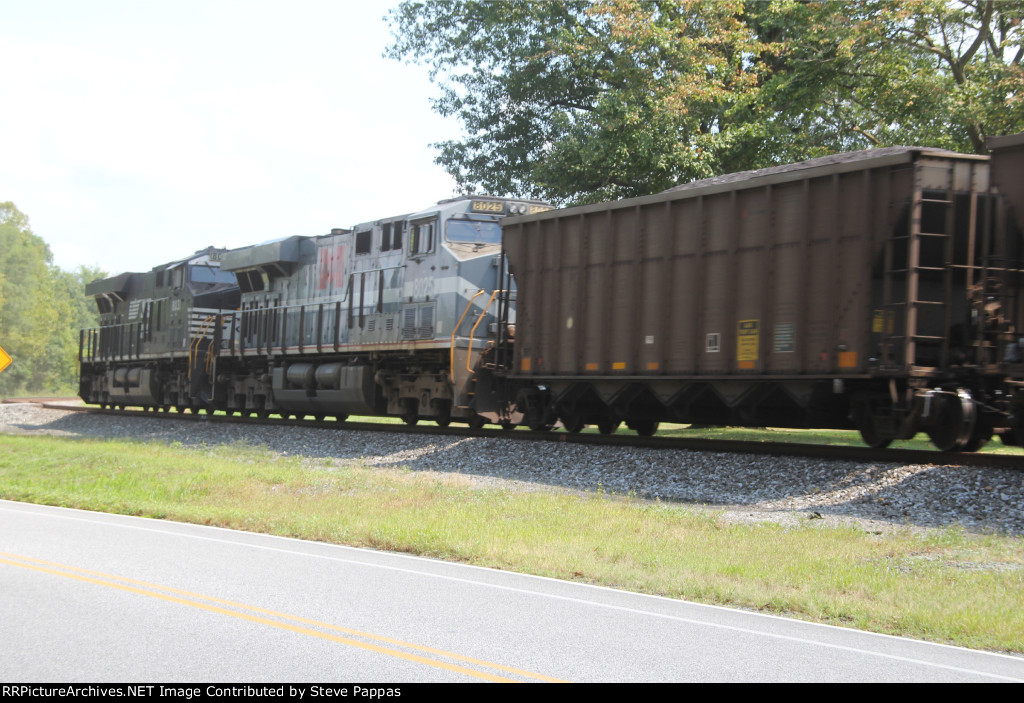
x=782 y=449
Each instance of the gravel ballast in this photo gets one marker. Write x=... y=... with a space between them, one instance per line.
x=743 y=487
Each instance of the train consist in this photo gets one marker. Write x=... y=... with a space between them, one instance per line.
x=392 y=317
x=878 y=290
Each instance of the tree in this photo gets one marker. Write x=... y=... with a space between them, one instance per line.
x=28 y=317
x=41 y=310
x=583 y=101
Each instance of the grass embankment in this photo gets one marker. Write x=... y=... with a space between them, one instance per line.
x=943 y=585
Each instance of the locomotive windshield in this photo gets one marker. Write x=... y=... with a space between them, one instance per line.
x=473 y=231
x=209 y=274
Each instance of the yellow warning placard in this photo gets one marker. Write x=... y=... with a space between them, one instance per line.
x=5 y=359
x=747 y=340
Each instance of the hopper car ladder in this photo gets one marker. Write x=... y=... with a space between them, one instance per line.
x=923 y=321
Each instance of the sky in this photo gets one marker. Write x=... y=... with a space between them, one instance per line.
x=135 y=133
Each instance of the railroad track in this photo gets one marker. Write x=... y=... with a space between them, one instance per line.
x=782 y=449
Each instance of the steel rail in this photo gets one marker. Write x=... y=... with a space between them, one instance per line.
x=780 y=449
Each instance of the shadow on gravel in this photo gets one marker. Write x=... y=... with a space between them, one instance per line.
x=974 y=498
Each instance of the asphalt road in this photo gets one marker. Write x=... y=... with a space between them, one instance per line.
x=89 y=597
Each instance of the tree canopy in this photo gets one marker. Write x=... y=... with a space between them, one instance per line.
x=578 y=101
x=41 y=310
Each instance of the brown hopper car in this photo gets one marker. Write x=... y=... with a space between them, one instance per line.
x=879 y=290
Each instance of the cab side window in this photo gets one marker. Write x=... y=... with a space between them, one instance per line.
x=422 y=237
x=364 y=242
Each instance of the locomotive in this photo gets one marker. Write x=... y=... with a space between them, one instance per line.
x=878 y=290
x=390 y=317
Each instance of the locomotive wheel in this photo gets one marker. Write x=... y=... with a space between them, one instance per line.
x=954 y=431
x=410 y=411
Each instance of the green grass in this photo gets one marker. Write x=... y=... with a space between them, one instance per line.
x=944 y=585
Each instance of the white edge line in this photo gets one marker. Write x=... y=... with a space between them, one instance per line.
x=572 y=599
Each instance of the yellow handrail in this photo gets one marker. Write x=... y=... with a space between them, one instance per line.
x=451 y=360
x=472 y=332
x=193 y=346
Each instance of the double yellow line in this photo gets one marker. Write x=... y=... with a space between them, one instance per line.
x=283 y=621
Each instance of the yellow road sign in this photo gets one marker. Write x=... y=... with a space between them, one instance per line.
x=5 y=359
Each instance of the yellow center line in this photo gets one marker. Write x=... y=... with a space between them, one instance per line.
x=274 y=623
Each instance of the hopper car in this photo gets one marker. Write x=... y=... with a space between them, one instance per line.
x=879 y=290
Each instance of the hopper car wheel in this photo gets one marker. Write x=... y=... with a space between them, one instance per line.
x=1009 y=438
x=644 y=428
x=443 y=421
x=340 y=418
x=608 y=426
x=1013 y=436
x=573 y=423
x=981 y=435
x=476 y=422
x=861 y=414
x=508 y=426
x=955 y=429
x=869 y=432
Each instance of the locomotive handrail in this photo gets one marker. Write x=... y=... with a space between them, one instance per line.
x=112 y=341
x=472 y=332
x=193 y=347
x=455 y=330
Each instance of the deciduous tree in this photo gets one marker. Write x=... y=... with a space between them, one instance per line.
x=578 y=101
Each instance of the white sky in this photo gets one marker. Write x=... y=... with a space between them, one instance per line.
x=134 y=133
